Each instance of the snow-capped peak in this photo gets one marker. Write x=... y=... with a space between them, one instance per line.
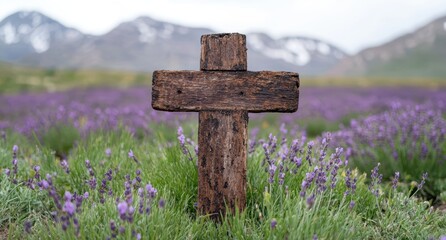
x=150 y=29
x=295 y=50
x=34 y=29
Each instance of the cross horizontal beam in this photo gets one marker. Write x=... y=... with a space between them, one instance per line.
x=193 y=91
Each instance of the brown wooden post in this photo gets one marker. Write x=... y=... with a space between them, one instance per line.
x=222 y=135
x=223 y=93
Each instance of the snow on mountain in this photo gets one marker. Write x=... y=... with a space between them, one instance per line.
x=295 y=50
x=146 y=44
x=32 y=32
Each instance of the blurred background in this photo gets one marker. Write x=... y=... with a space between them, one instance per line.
x=54 y=45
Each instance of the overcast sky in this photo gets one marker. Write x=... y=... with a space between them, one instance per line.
x=349 y=24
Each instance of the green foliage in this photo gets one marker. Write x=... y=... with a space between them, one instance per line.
x=26 y=79
x=60 y=138
x=391 y=215
x=18 y=203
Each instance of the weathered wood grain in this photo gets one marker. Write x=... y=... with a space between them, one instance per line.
x=219 y=90
x=222 y=139
x=226 y=51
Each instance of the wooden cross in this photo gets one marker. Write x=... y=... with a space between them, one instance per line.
x=223 y=93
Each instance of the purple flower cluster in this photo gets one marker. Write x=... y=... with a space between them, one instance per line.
x=92 y=181
x=335 y=103
x=423 y=181
x=395 y=180
x=183 y=141
x=126 y=210
x=104 y=188
x=132 y=156
x=65 y=166
x=350 y=183
x=15 y=163
x=375 y=180
x=418 y=129
x=86 y=109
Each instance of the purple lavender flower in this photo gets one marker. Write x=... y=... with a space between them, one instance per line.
x=65 y=166
x=37 y=173
x=92 y=182
x=7 y=172
x=27 y=226
x=395 y=180
x=113 y=229
x=138 y=236
x=161 y=203
x=86 y=195
x=281 y=178
x=14 y=164
x=309 y=151
x=306 y=183
x=321 y=179
x=376 y=179
x=182 y=140
x=315 y=237
x=76 y=226
x=15 y=149
x=68 y=196
x=352 y=204
x=108 y=152
x=141 y=200
x=44 y=184
x=122 y=209
x=151 y=191
x=69 y=208
x=272 y=170
x=310 y=200
x=423 y=181
x=132 y=156
x=273 y=223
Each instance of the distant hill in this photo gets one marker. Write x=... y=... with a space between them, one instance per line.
x=146 y=44
x=26 y=33
x=418 y=54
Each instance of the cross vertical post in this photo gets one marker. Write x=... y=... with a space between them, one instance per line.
x=222 y=135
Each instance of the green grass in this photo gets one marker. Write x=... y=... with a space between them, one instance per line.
x=14 y=79
x=392 y=215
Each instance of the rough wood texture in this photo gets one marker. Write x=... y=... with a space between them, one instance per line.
x=226 y=52
x=217 y=90
x=222 y=139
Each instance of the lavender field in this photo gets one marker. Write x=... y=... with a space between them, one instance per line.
x=351 y=163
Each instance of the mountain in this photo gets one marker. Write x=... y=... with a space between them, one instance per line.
x=26 y=33
x=310 y=56
x=146 y=44
x=421 y=53
x=140 y=45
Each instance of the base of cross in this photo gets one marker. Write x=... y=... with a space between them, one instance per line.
x=222 y=139
x=223 y=93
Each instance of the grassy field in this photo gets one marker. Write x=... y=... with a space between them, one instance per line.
x=338 y=203
x=101 y=164
x=14 y=79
